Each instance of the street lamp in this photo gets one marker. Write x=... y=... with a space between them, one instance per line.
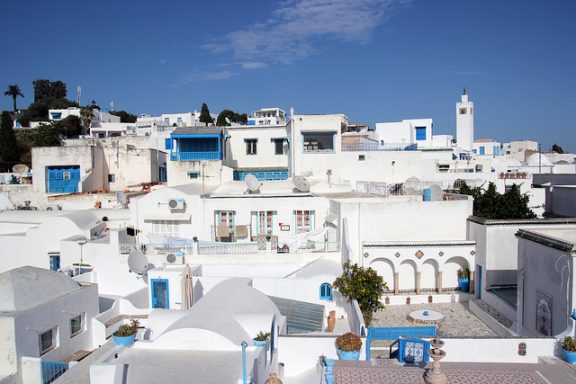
x=81 y=244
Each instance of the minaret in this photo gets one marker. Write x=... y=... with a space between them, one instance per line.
x=465 y=123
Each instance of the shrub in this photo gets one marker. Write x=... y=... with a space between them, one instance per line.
x=569 y=344
x=464 y=273
x=364 y=285
x=262 y=336
x=349 y=342
x=127 y=329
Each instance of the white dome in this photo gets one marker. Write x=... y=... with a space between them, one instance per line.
x=26 y=287
x=534 y=160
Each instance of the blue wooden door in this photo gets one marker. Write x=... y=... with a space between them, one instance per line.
x=160 y=294
x=62 y=179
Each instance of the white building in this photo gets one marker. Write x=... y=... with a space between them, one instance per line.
x=546 y=283
x=268 y=116
x=487 y=147
x=44 y=317
x=406 y=132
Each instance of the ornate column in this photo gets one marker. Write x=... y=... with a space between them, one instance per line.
x=418 y=282
x=396 y=283
x=435 y=375
x=439 y=281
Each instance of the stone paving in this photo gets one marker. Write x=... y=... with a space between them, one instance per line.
x=459 y=321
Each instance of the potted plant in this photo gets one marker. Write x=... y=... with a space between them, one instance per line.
x=464 y=279
x=125 y=335
x=348 y=346
x=261 y=339
x=569 y=350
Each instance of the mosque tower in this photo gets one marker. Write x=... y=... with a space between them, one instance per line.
x=465 y=123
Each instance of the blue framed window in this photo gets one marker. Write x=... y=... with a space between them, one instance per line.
x=482 y=150
x=54 y=262
x=325 y=291
x=168 y=143
x=420 y=133
x=160 y=293
x=496 y=150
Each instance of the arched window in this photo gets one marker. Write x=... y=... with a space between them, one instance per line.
x=325 y=291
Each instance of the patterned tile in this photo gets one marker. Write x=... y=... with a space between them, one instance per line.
x=413 y=375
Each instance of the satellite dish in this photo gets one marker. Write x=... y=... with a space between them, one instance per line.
x=121 y=197
x=252 y=183
x=435 y=192
x=138 y=262
x=301 y=184
x=20 y=168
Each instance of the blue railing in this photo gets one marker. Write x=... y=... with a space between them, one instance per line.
x=51 y=370
x=194 y=156
x=353 y=147
x=395 y=333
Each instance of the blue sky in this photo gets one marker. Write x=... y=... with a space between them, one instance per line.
x=373 y=60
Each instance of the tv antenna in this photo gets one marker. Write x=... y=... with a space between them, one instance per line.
x=301 y=184
x=252 y=183
x=122 y=199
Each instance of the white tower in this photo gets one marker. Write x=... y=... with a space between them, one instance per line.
x=465 y=123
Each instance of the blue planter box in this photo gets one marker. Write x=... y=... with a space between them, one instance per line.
x=125 y=341
x=259 y=343
x=569 y=357
x=345 y=355
x=464 y=284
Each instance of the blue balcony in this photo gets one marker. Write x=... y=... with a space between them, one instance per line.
x=196 y=147
x=195 y=156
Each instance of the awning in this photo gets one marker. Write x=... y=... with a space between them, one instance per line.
x=167 y=216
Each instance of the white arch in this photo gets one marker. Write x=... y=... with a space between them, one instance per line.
x=407 y=275
x=385 y=268
x=428 y=273
x=450 y=270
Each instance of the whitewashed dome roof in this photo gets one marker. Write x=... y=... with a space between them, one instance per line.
x=26 y=287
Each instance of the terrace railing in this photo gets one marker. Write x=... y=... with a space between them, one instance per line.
x=194 y=156
x=52 y=370
x=367 y=147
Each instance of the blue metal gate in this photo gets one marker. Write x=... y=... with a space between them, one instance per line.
x=62 y=179
x=51 y=370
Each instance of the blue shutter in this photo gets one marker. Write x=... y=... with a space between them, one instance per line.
x=168 y=143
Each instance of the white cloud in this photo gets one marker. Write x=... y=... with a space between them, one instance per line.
x=253 y=65
x=295 y=27
x=205 y=76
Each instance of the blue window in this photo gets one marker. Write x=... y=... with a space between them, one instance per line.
x=160 y=294
x=56 y=115
x=420 y=133
x=54 y=262
x=168 y=143
x=482 y=150
x=496 y=150
x=325 y=291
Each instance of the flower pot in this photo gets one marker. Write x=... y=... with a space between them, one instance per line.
x=464 y=283
x=348 y=355
x=569 y=357
x=125 y=341
x=259 y=343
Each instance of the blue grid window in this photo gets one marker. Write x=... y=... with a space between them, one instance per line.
x=420 y=133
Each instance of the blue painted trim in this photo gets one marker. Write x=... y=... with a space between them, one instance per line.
x=402 y=349
x=196 y=135
x=261 y=175
x=325 y=291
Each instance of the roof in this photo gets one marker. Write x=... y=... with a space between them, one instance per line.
x=26 y=287
x=561 y=239
x=196 y=130
x=551 y=221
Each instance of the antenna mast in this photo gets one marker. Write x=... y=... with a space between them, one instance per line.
x=78 y=94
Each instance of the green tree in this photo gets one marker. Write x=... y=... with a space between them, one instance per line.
x=9 y=148
x=71 y=126
x=47 y=95
x=556 y=148
x=125 y=117
x=14 y=91
x=205 y=116
x=493 y=205
x=232 y=116
x=86 y=116
x=364 y=285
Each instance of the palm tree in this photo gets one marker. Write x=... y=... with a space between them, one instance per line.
x=14 y=91
x=86 y=116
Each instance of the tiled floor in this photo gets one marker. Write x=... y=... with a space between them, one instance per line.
x=459 y=321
